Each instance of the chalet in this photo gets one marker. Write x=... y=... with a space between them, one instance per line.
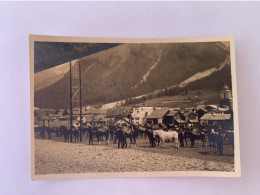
x=222 y=120
x=138 y=115
x=201 y=110
x=169 y=118
x=115 y=113
x=157 y=116
x=192 y=119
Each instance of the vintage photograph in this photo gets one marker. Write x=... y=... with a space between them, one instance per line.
x=133 y=107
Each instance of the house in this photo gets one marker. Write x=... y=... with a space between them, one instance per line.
x=192 y=119
x=179 y=119
x=201 y=110
x=224 y=121
x=157 y=116
x=138 y=115
x=169 y=118
x=115 y=113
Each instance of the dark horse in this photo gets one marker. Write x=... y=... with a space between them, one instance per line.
x=149 y=132
x=193 y=136
x=124 y=132
x=121 y=138
x=98 y=132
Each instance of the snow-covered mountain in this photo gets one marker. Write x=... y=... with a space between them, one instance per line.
x=130 y=70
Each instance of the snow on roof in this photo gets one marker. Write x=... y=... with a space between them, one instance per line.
x=216 y=117
x=158 y=113
x=201 y=107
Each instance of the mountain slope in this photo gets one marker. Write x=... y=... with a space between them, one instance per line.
x=130 y=70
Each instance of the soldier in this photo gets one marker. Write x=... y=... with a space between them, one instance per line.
x=43 y=131
x=220 y=142
x=49 y=132
x=65 y=132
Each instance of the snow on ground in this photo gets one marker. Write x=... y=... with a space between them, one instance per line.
x=146 y=75
x=203 y=74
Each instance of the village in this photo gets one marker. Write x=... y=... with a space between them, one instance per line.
x=220 y=115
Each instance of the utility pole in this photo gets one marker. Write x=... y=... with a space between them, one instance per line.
x=80 y=104
x=70 y=104
x=75 y=95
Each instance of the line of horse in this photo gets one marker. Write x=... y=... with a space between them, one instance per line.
x=157 y=137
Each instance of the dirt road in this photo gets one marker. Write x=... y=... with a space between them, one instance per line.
x=52 y=156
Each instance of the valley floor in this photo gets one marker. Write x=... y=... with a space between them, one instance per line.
x=55 y=156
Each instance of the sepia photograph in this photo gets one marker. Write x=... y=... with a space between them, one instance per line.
x=103 y=107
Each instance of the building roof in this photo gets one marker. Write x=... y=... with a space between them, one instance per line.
x=159 y=113
x=193 y=120
x=172 y=113
x=115 y=112
x=201 y=107
x=180 y=121
x=216 y=117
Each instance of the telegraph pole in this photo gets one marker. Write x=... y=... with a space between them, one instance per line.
x=70 y=104
x=80 y=104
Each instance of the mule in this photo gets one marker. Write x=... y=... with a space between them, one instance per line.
x=130 y=132
x=194 y=136
x=119 y=133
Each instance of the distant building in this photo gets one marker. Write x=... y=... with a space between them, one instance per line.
x=192 y=119
x=138 y=115
x=225 y=97
x=223 y=121
x=157 y=116
x=115 y=113
x=169 y=118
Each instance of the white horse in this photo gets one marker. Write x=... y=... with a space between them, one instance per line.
x=163 y=135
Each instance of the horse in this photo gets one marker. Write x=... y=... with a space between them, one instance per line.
x=141 y=131
x=119 y=133
x=112 y=130
x=98 y=132
x=102 y=131
x=130 y=132
x=75 y=134
x=152 y=139
x=193 y=136
x=167 y=136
